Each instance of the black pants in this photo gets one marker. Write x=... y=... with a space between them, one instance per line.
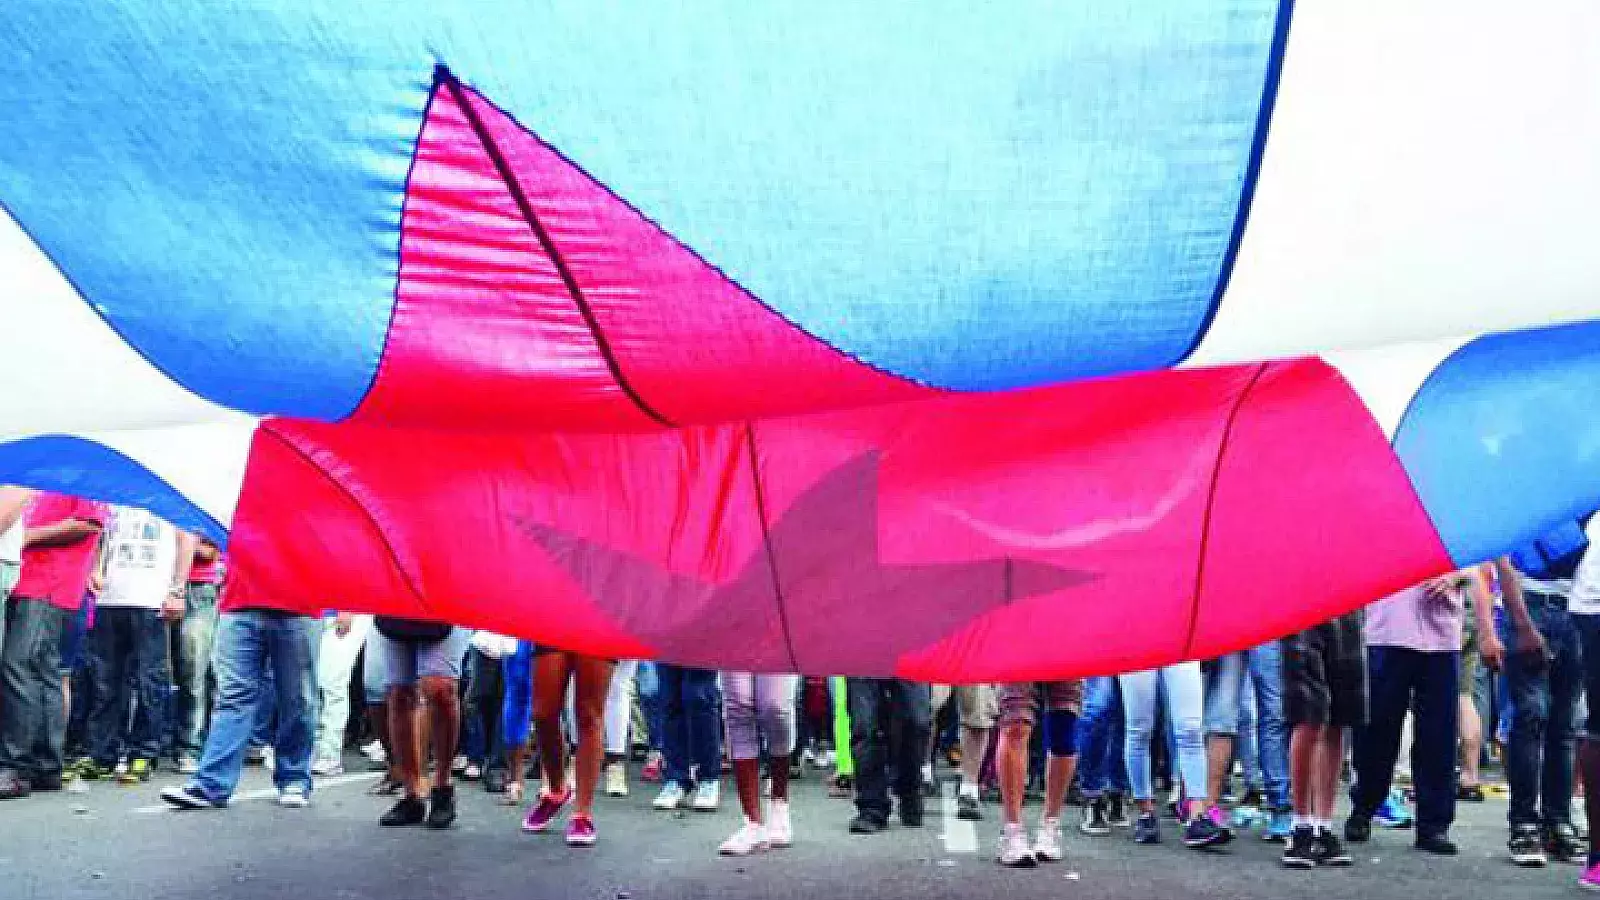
x=1425 y=684
x=905 y=706
x=33 y=726
x=129 y=646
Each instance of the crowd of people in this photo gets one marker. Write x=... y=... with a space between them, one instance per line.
x=116 y=661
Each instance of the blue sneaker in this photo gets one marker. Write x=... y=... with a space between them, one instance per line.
x=1147 y=829
x=1393 y=813
x=1279 y=829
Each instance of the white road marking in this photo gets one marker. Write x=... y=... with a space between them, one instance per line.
x=960 y=836
x=272 y=792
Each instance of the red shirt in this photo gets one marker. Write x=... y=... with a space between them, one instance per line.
x=60 y=575
x=206 y=571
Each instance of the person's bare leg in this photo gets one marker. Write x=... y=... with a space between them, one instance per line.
x=1058 y=771
x=1303 y=753
x=1219 y=760
x=1329 y=761
x=1011 y=767
x=405 y=759
x=593 y=680
x=974 y=744
x=444 y=718
x=549 y=696
x=517 y=759
x=1471 y=728
x=747 y=779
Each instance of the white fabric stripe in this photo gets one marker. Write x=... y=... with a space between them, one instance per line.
x=1387 y=378
x=62 y=369
x=1429 y=171
x=204 y=463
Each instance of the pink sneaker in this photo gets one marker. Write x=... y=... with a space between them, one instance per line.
x=545 y=811
x=580 y=832
x=1590 y=879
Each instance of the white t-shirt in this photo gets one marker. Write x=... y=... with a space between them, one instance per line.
x=140 y=556
x=1585 y=596
x=11 y=544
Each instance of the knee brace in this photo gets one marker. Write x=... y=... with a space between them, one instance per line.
x=1061 y=732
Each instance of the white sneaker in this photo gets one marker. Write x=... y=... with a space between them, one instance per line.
x=293 y=797
x=326 y=768
x=374 y=752
x=269 y=759
x=1014 y=850
x=780 y=830
x=616 y=780
x=707 y=796
x=671 y=797
x=1047 y=845
x=188 y=765
x=750 y=838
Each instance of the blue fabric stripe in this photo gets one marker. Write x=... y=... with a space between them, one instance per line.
x=975 y=197
x=84 y=468
x=1503 y=440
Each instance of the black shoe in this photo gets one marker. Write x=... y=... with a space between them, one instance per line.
x=1330 y=850
x=1560 y=841
x=1252 y=798
x=967 y=809
x=442 y=807
x=1358 y=829
x=494 y=780
x=405 y=811
x=13 y=786
x=50 y=782
x=1302 y=850
x=1095 y=821
x=1201 y=833
x=911 y=812
x=1525 y=846
x=864 y=823
x=1117 y=812
x=1437 y=844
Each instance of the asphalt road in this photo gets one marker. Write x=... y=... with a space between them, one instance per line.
x=119 y=843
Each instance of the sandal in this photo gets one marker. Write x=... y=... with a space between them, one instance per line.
x=386 y=787
x=1470 y=793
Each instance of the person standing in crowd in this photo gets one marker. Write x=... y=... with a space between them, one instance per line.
x=977 y=708
x=1019 y=713
x=482 y=704
x=1102 y=771
x=516 y=718
x=874 y=704
x=1325 y=692
x=60 y=550
x=758 y=707
x=1184 y=685
x=146 y=572
x=423 y=660
x=591 y=679
x=1262 y=667
x=692 y=744
x=1584 y=606
x=1413 y=660
x=1544 y=677
x=619 y=711
x=249 y=642
x=336 y=661
x=191 y=652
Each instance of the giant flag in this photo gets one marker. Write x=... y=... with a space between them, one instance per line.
x=959 y=341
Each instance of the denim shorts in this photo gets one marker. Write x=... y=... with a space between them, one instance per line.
x=1020 y=701
x=406 y=661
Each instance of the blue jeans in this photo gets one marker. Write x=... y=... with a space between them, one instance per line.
x=649 y=685
x=1185 y=710
x=250 y=643
x=129 y=645
x=1402 y=680
x=692 y=737
x=32 y=718
x=874 y=703
x=1263 y=667
x=1101 y=768
x=191 y=666
x=1544 y=706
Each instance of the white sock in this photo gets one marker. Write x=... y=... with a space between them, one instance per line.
x=968 y=789
x=927 y=771
x=1303 y=821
